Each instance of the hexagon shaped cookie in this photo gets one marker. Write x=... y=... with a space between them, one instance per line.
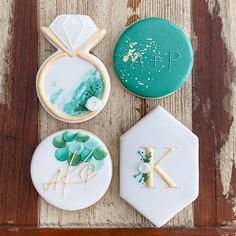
x=159 y=166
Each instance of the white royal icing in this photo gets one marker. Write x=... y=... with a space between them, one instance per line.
x=73 y=30
x=170 y=150
x=93 y=104
x=144 y=168
x=71 y=169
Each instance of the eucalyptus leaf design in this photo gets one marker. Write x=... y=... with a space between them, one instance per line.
x=59 y=142
x=99 y=153
x=68 y=136
x=79 y=146
x=82 y=138
x=62 y=154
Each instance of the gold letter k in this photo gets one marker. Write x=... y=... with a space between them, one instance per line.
x=158 y=169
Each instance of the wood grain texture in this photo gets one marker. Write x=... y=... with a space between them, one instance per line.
x=107 y=127
x=123 y=109
x=22 y=231
x=214 y=110
x=5 y=42
x=18 y=113
x=213 y=105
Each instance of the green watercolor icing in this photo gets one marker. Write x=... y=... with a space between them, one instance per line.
x=84 y=147
x=55 y=96
x=92 y=85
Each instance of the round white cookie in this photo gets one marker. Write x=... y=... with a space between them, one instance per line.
x=71 y=169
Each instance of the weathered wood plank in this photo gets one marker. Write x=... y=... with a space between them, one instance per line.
x=23 y=231
x=104 y=125
x=18 y=111
x=214 y=109
x=113 y=121
x=179 y=103
x=5 y=41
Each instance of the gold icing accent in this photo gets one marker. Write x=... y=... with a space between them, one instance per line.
x=166 y=178
x=55 y=41
x=92 y=41
x=169 y=150
x=85 y=174
x=88 y=171
x=150 y=183
x=47 y=186
x=64 y=179
x=81 y=52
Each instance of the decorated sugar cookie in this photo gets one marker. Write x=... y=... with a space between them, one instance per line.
x=71 y=169
x=159 y=166
x=72 y=84
x=153 y=58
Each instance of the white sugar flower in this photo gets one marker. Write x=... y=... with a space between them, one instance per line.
x=93 y=104
x=144 y=168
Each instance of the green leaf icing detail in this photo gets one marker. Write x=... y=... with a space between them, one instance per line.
x=62 y=154
x=76 y=160
x=99 y=153
x=82 y=138
x=80 y=145
x=145 y=159
x=86 y=155
x=91 y=144
x=68 y=136
x=59 y=142
x=76 y=147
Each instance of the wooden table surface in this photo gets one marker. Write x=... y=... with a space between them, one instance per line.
x=206 y=104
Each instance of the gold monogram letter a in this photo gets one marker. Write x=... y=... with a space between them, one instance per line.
x=157 y=169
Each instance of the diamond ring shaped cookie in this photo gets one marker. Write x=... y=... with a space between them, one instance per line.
x=153 y=58
x=159 y=166
x=72 y=84
x=71 y=169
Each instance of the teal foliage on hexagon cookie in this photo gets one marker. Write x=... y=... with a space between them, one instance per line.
x=145 y=158
x=78 y=147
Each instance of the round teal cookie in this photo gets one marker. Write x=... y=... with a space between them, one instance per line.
x=152 y=58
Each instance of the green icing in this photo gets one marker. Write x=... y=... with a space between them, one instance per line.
x=92 y=85
x=76 y=148
x=82 y=138
x=62 y=154
x=69 y=137
x=59 y=141
x=99 y=153
x=91 y=144
x=153 y=57
x=55 y=96
x=143 y=177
